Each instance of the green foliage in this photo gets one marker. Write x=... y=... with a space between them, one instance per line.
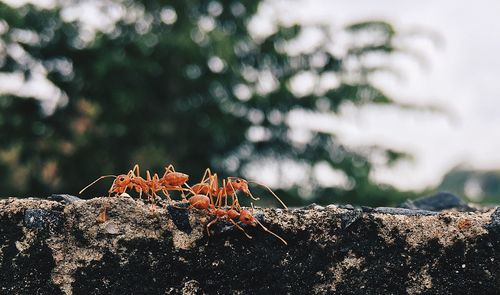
x=181 y=82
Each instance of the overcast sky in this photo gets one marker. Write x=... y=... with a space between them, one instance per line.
x=461 y=77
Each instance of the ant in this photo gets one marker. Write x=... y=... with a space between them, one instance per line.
x=203 y=202
x=209 y=186
x=228 y=214
x=171 y=180
x=122 y=182
x=247 y=217
x=241 y=184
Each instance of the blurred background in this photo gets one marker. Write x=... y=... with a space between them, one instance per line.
x=356 y=102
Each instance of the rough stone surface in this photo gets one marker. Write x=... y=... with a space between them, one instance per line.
x=51 y=247
x=437 y=202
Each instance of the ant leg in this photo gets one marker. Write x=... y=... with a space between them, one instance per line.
x=148 y=181
x=152 y=207
x=189 y=189
x=225 y=202
x=233 y=196
x=240 y=228
x=136 y=169
x=206 y=175
x=170 y=168
x=213 y=186
x=210 y=224
x=252 y=197
x=236 y=204
x=183 y=196
x=165 y=192
x=155 y=197
x=219 y=199
x=223 y=192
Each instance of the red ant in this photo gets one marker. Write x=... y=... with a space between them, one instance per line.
x=202 y=202
x=209 y=186
x=171 y=180
x=228 y=214
x=122 y=182
x=247 y=217
x=237 y=183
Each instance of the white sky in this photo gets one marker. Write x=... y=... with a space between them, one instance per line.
x=461 y=78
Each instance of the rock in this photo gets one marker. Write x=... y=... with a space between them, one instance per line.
x=180 y=218
x=494 y=225
x=42 y=219
x=347 y=206
x=111 y=228
x=437 y=202
x=403 y=211
x=64 y=198
x=47 y=247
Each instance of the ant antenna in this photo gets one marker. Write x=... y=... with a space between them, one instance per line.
x=235 y=196
x=269 y=189
x=93 y=182
x=267 y=230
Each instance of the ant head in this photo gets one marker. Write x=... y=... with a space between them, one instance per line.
x=122 y=180
x=246 y=217
x=240 y=184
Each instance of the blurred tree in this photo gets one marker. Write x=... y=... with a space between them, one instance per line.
x=183 y=82
x=479 y=186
